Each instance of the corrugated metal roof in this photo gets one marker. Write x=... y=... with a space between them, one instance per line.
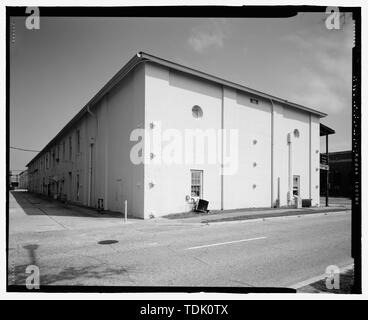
x=144 y=57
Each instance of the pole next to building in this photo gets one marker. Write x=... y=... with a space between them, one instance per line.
x=326 y=131
x=327 y=182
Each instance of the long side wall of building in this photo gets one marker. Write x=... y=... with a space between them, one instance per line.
x=92 y=160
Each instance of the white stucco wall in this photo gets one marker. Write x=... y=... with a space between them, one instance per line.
x=286 y=120
x=114 y=177
x=250 y=186
x=118 y=179
x=170 y=97
x=315 y=151
x=155 y=94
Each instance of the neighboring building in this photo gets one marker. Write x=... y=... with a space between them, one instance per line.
x=89 y=159
x=340 y=169
x=23 y=180
x=13 y=180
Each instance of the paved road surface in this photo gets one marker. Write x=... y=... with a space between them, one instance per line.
x=274 y=252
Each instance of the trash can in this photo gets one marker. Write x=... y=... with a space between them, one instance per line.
x=202 y=206
x=306 y=203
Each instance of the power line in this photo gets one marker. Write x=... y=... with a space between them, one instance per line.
x=21 y=149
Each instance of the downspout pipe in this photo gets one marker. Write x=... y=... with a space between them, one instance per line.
x=290 y=170
x=222 y=147
x=90 y=146
x=272 y=154
x=94 y=116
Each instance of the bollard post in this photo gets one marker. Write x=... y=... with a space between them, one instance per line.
x=126 y=211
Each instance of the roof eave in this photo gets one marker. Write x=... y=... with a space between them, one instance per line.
x=212 y=78
x=130 y=65
x=142 y=56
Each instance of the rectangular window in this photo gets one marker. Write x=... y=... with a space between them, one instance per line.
x=296 y=185
x=70 y=148
x=78 y=141
x=253 y=100
x=53 y=158
x=196 y=183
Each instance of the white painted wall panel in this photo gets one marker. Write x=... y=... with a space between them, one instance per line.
x=250 y=186
x=315 y=171
x=125 y=112
x=170 y=97
x=285 y=121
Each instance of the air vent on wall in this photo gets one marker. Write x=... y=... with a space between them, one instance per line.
x=253 y=100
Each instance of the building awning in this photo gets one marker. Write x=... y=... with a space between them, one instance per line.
x=324 y=130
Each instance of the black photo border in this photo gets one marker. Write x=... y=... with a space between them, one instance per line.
x=204 y=12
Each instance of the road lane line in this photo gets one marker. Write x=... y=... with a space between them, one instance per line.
x=223 y=243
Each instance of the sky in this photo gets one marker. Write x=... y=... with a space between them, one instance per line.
x=56 y=70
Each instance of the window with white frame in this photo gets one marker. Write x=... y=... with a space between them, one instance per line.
x=196 y=183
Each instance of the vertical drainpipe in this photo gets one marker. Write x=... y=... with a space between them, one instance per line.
x=310 y=156
x=327 y=171
x=90 y=173
x=106 y=152
x=290 y=170
x=272 y=149
x=222 y=147
x=90 y=145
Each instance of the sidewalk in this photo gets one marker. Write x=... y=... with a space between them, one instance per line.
x=336 y=205
x=32 y=212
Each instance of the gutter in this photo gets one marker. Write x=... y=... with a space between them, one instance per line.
x=218 y=80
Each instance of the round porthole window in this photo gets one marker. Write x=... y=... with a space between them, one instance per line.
x=197 y=112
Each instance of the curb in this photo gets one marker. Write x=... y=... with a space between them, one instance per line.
x=209 y=222
x=309 y=281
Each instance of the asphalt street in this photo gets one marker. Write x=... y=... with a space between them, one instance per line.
x=66 y=246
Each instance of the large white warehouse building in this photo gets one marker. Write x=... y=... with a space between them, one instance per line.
x=199 y=136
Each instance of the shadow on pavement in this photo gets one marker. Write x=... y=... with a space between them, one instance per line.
x=33 y=204
x=18 y=275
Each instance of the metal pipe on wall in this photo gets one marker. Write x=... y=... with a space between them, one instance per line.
x=290 y=177
x=272 y=150
x=222 y=147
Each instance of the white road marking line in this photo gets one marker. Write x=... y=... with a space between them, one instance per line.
x=223 y=243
